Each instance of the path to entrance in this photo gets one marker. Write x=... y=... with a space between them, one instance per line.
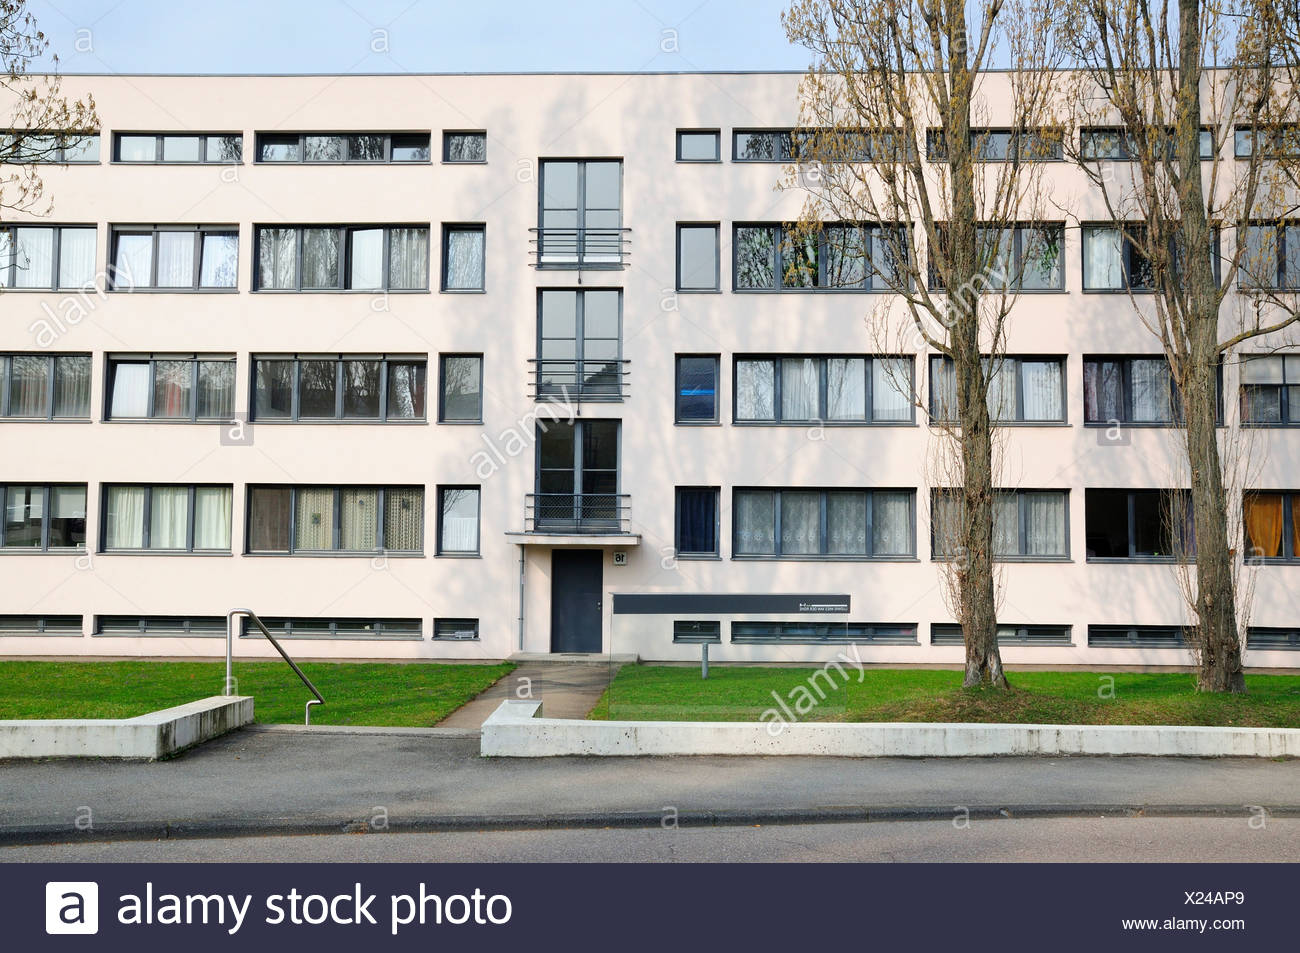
x=568 y=687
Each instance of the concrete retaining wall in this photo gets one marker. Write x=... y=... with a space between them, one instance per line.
x=516 y=729
x=159 y=734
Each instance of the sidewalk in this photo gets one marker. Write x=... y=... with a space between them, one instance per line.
x=570 y=689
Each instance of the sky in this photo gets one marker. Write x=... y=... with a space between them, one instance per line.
x=380 y=36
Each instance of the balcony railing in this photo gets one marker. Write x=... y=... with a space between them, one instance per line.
x=576 y=513
x=566 y=380
x=580 y=248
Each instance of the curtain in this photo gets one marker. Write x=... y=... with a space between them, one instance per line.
x=697 y=521
x=891 y=524
x=459 y=521
x=268 y=530
x=169 y=517
x=1103 y=391
x=124 y=520
x=943 y=389
x=1102 y=258
x=216 y=397
x=846 y=388
x=24 y=512
x=133 y=263
x=172 y=383
x=67 y=516
x=212 y=517
x=176 y=259
x=29 y=378
x=130 y=390
x=464 y=258
x=72 y=387
x=359 y=520
x=1001 y=393
x=276 y=258
x=314 y=515
x=1263 y=517
x=1006 y=524
x=404 y=520
x=755 y=390
x=1044 y=524
x=367 y=254
x=755 y=522
x=1151 y=391
x=846 y=523
x=1041 y=382
x=890 y=388
x=945 y=522
x=800 y=522
x=34 y=259
x=320 y=258
x=219 y=267
x=799 y=389
x=460 y=398
x=76 y=257
x=408 y=259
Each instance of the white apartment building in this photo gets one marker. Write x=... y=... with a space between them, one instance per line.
x=458 y=366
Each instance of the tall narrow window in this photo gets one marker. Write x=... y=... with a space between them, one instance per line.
x=581 y=214
x=697 y=521
x=458 y=516
x=463 y=262
x=697 y=258
x=462 y=388
x=579 y=347
x=697 y=389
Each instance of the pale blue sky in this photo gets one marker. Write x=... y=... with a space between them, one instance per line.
x=339 y=36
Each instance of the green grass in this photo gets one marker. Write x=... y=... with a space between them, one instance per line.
x=414 y=694
x=674 y=693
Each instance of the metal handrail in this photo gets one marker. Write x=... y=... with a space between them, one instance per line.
x=230 y=644
x=578 y=378
x=580 y=248
x=579 y=513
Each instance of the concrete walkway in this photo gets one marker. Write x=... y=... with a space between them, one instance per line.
x=569 y=688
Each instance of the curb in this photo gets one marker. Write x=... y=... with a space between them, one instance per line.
x=364 y=730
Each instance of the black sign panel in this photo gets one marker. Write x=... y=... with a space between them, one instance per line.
x=717 y=603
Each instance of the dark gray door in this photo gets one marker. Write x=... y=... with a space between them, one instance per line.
x=575 y=600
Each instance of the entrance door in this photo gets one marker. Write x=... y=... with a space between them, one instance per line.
x=576 y=582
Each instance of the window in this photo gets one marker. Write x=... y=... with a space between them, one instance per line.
x=1002 y=145
x=1027 y=524
x=28 y=625
x=463 y=258
x=178 y=518
x=181 y=148
x=36 y=146
x=211 y=627
x=772 y=257
x=1136 y=637
x=951 y=634
x=1020 y=389
x=1272 y=526
x=332 y=387
x=461 y=393
x=1023 y=258
x=1275 y=142
x=697 y=389
x=455 y=630
x=46 y=258
x=695 y=632
x=1270 y=259
x=174 y=259
x=828 y=145
x=581 y=214
x=1114 y=261
x=843 y=389
x=834 y=524
x=697 y=521
x=1139 y=524
x=763 y=145
x=343 y=258
x=349 y=147
x=817 y=633
x=43 y=518
x=170 y=387
x=578 y=477
x=697 y=258
x=464 y=147
x=362 y=629
x=1270 y=390
x=699 y=145
x=1119 y=145
x=458 y=514
x=347 y=519
x=1257 y=637
x=45 y=386
x=1129 y=390
x=580 y=343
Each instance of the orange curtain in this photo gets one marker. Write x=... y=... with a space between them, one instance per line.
x=1264 y=524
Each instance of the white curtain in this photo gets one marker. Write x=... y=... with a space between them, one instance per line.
x=314 y=516
x=1001 y=393
x=176 y=259
x=460 y=521
x=404 y=520
x=1103 y=391
x=1006 y=525
x=1044 y=524
x=889 y=398
x=800 y=523
x=891 y=524
x=799 y=388
x=359 y=520
x=1151 y=391
x=1042 y=390
x=133 y=265
x=124 y=523
x=945 y=521
x=6 y=255
x=367 y=259
x=169 y=517
x=464 y=259
x=216 y=396
x=943 y=389
x=130 y=390
x=755 y=390
x=72 y=386
x=212 y=517
x=35 y=258
x=76 y=257
x=1103 y=265
x=219 y=267
x=29 y=381
x=846 y=388
x=408 y=259
x=846 y=523
x=755 y=519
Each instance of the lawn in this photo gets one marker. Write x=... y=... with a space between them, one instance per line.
x=405 y=694
x=675 y=693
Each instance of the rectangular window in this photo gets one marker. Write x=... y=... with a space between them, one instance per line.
x=818 y=633
x=47 y=257
x=348 y=519
x=18 y=626
x=1020 y=389
x=697 y=631
x=352 y=147
x=1272 y=526
x=458 y=520
x=176 y=518
x=1274 y=142
x=455 y=630
x=463 y=257
x=210 y=627
x=342 y=258
x=1023 y=258
x=170 y=387
x=1129 y=390
x=1107 y=142
x=580 y=343
x=581 y=214
x=464 y=147
x=697 y=389
x=843 y=389
x=699 y=145
x=697 y=521
x=42 y=518
x=1270 y=259
x=37 y=146
x=316 y=628
x=1136 y=637
x=823 y=145
x=950 y=634
x=1270 y=390
x=830 y=524
x=189 y=148
x=1002 y=145
x=1257 y=637
x=1139 y=524
x=1113 y=259
x=841 y=257
x=461 y=392
x=697 y=258
x=45 y=386
x=174 y=259
x=1027 y=524
x=377 y=388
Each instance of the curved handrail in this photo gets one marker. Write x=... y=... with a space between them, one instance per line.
x=230 y=643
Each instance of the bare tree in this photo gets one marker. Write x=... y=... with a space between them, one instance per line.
x=922 y=129
x=1165 y=88
x=44 y=126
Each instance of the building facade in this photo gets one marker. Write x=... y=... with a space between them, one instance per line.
x=461 y=366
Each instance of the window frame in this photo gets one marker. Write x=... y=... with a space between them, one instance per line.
x=147 y=518
x=1021 y=555
x=464 y=622
x=888 y=633
x=1062 y=360
x=261 y=136
x=678 y=552
x=1131 y=257
x=1285 y=395
x=1288 y=554
x=446 y=143
x=187 y=628
x=823 y=530
x=1280 y=283
x=448 y=228
x=941 y=633
x=10 y=268
x=46 y=515
x=823 y=395
x=113 y=358
x=1139 y=637
x=579 y=392
x=715 y=419
x=442 y=552
x=1132 y=496
x=442 y=388
x=1245 y=133
x=936 y=150
x=159 y=137
x=327 y=627
x=117 y=232
x=1123 y=143
x=386 y=361
x=41 y=625
x=345 y=258
x=935 y=283
x=779 y=236
x=583 y=259
x=716 y=227
x=52 y=359
x=337 y=490
x=717 y=142
x=697 y=631
x=61 y=148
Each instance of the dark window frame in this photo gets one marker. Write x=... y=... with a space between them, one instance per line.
x=1264 y=638
x=51 y=373
x=446 y=146
x=461 y=623
x=717 y=257
x=1124 y=144
x=439 y=549
x=159 y=138
x=147 y=518
x=824 y=533
x=1062 y=360
x=112 y=359
x=1243 y=140
x=1022 y=554
x=117 y=232
x=610 y=392
x=157 y=626
x=59 y=150
x=936 y=149
x=677 y=390
x=1288 y=554
x=442 y=388
x=261 y=138
x=1287 y=391
x=716 y=552
x=583 y=260
x=1132 y=261
x=328 y=627
x=448 y=228
x=823 y=396
x=46 y=515
x=41 y=625
x=831 y=633
x=10 y=268
x=717 y=142
x=345 y=256
x=1018 y=267
x=337 y=490
x=386 y=362
x=779 y=233
x=1009 y=634
x=1282 y=280
x=1133 y=496
x=1137 y=637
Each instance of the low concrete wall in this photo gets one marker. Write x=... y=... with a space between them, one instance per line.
x=159 y=734
x=517 y=730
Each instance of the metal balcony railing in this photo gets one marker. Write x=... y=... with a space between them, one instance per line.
x=576 y=513
x=580 y=248
x=578 y=380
